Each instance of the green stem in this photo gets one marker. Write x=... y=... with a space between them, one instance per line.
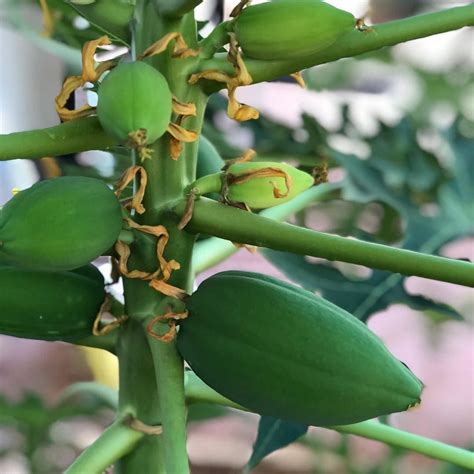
x=138 y=399
x=236 y=225
x=401 y=439
x=162 y=389
x=214 y=250
x=70 y=137
x=114 y=443
x=108 y=342
x=197 y=391
x=218 y=37
x=355 y=43
x=170 y=381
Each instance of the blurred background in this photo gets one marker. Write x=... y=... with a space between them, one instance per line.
x=406 y=112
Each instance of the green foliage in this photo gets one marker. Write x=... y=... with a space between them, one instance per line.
x=112 y=17
x=273 y=434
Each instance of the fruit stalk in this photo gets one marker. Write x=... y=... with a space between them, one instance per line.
x=116 y=441
x=75 y=136
x=240 y=226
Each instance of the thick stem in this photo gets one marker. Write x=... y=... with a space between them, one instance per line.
x=355 y=43
x=137 y=398
x=240 y=226
x=170 y=380
x=167 y=179
x=115 y=442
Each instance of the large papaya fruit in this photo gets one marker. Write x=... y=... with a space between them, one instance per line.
x=52 y=306
x=289 y=29
x=59 y=224
x=134 y=97
x=281 y=351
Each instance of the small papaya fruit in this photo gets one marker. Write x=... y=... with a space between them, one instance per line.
x=256 y=185
x=52 y=306
x=281 y=351
x=133 y=98
x=59 y=224
x=290 y=28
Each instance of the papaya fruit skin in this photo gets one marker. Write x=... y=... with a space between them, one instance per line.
x=257 y=192
x=290 y=28
x=59 y=224
x=51 y=306
x=134 y=96
x=283 y=352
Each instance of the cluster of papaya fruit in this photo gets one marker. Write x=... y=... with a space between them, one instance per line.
x=48 y=235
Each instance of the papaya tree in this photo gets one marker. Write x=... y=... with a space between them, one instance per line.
x=252 y=342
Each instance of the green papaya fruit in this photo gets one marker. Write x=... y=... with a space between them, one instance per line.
x=290 y=28
x=281 y=351
x=52 y=306
x=237 y=184
x=133 y=97
x=59 y=224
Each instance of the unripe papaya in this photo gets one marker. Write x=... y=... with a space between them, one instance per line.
x=259 y=192
x=133 y=97
x=257 y=185
x=52 y=306
x=59 y=224
x=292 y=29
x=281 y=351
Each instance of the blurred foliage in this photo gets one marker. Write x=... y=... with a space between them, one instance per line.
x=68 y=26
x=34 y=422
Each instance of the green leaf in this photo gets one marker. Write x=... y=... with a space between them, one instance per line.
x=273 y=434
